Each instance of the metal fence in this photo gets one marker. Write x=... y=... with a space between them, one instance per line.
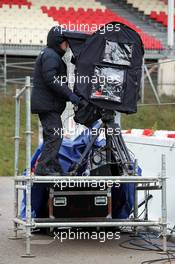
x=157 y=87
x=23 y=36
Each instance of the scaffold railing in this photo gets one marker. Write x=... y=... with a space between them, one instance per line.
x=24 y=183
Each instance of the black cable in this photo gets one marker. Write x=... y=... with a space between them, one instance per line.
x=157 y=248
x=135 y=246
x=143 y=247
x=157 y=260
x=155 y=245
x=142 y=212
x=170 y=255
x=122 y=245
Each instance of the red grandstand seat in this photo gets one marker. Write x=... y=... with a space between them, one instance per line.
x=80 y=9
x=53 y=8
x=90 y=12
x=62 y=9
x=29 y=5
x=44 y=9
x=159 y=19
x=71 y=10
x=20 y=3
x=162 y=14
x=165 y=23
x=91 y=17
x=98 y=10
x=153 y=14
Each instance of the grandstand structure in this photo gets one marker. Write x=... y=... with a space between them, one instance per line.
x=24 y=24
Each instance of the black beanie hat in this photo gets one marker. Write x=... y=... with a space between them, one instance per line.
x=55 y=38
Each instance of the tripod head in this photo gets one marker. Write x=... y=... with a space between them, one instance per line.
x=108 y=118
x=107 y=115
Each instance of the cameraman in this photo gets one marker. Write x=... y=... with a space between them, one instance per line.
x=49 y=97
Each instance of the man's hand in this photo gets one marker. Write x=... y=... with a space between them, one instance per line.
x=74 y=99
x=78 y=101
x=82 y=103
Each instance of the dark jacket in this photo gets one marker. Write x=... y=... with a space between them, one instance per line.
x=48 y=94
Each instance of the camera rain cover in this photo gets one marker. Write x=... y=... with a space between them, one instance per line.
x=108 y=84
x=114 y=52
x=117 y=53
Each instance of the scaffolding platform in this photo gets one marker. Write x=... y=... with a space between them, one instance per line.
x=24 y=183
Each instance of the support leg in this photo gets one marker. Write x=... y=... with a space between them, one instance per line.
x=28 y=244
x=17 y=138
x=28 y=221
x=28 y=171
x=135 y=197
x=164 y=204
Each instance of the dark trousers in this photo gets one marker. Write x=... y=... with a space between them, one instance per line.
x=52 y=137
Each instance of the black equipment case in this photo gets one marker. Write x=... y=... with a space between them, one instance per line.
x=78 y=203
x=86 y=199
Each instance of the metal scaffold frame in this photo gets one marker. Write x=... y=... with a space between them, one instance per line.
x=24 y=183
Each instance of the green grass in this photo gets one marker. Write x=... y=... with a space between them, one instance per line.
x=156 y=117
x=7 y=132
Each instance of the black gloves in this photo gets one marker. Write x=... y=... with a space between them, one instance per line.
x=82 y=103
x=74 y=99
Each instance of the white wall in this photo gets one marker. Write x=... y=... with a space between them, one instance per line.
x=166 y=77
x=148 y=151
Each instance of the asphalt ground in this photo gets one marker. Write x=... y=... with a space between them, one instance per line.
x=48 y=250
